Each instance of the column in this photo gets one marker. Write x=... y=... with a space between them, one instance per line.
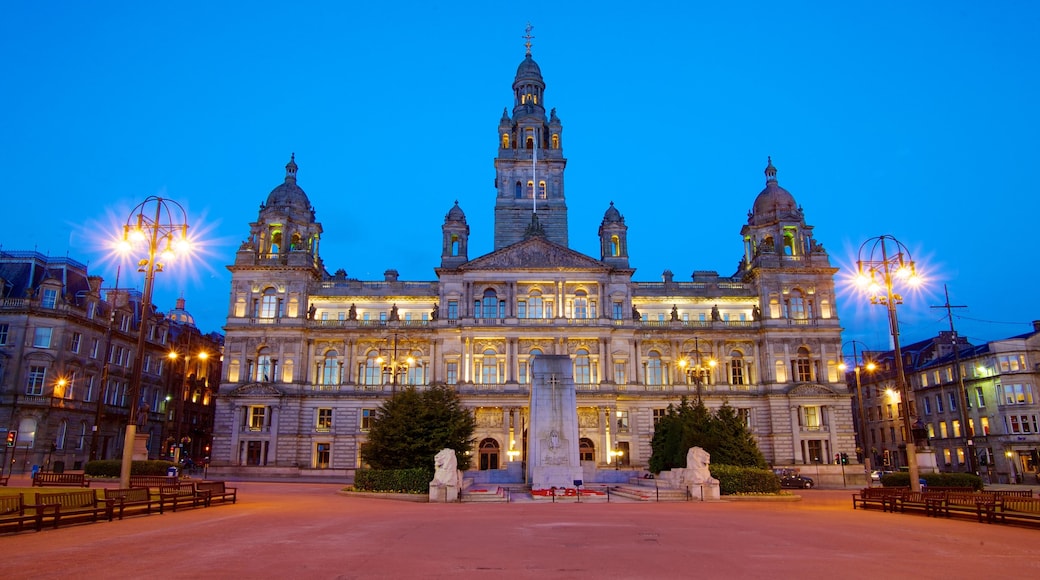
x=272 y=449
x=832 y=429
x=796 y=436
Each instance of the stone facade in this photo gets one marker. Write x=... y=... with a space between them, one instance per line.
x=311 y=354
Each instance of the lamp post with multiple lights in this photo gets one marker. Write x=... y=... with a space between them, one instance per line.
x=158 y=227
x=694 y=366
x=394 y=365
x=862 y=431
x=881 y=262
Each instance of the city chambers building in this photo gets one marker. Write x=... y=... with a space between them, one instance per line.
x=310 y=355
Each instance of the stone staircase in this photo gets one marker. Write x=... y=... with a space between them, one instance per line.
x=648 y=493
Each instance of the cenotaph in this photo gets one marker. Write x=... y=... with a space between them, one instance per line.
x=552 y=440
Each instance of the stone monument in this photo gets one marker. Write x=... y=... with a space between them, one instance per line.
x=695 y=477
x=552 y=441
x=446 y=477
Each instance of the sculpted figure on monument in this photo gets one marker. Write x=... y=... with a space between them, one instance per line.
x=697 y=471
x=446 y=467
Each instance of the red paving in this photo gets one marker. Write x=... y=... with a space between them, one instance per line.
x=295 y=530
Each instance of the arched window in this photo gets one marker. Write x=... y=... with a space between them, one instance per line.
x=488 y=454
x=489 y=368
x=454 y=244
x=541 y=190
x=330 y=369
x=654 y=369
x=489 y=307
x=505 y=140
x=582 y=371
x=527 y=365
x=789 y=241
x=264 y=366
x=736 y=368
x=297 y=243
x=615 y=246
x=27 y=432
x=530 y=142
x=276 y=241
x=802 y=366
x=796 y=305
x=534 y=304
x=269 y=304
x=519 y=190
x=581 y=304
x=530 y=189
x=555 y=141
x=416 y=374
x=586 y=449
x=372 y=370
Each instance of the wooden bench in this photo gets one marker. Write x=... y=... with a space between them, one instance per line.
x=76 y=506
x=14 y=513
x=1017 y=508
x=181 y=494
x=152 y=481
x=60 y=480
x=3 y=480
x=914 y=500
x=134 y=499
x=217 y=491
x=883 y=497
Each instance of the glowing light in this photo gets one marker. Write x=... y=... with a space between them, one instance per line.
x=842 y=366
x=137 y=236
x=871 y=366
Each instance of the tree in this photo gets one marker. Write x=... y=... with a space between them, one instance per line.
x=723 y=434
x=412 y=426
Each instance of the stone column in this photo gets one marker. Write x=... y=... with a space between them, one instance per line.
x=796 y=435
x=272 y=450
x=832 y=428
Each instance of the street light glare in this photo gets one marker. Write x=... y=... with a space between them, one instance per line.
x=871 y=366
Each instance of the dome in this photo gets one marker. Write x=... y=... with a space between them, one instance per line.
x=455 y=214
x=612 y=215
x=528 y=70
x=181 y=316
x=774 y=200
x=288 y=193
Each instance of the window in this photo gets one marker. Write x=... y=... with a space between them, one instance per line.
x=984 y=422
x=622 y=421
x=534 y=304
x=927 y=405
x=938 y=404
x=371 y=370
x=953 y=401
x=89 y=395
x=745 y=416
x=42 y=337
x=811 y=417
x=63 y=431
x=581 y=304
x=452 y=373
x=943 y=433
x=324 y=420
x=586 y=449
x=330 y=369
x=490 y=306
x=257 y=418
x=620 y=374
x=489 y=368
x=658 y=415
x=82 y=435
x=124 y=324
x=322 y=455
x=956 y=425
x=796 y=305
x=1021 y=424
x=4 y=329
x=980 y=396
x=269 y=304
x=654 y=369
x=802 y=366
x=1011 y=362
x=94 y=349
x=367 y=417
x=736 y=368
x=453 y=310
x=77 y=338
x=50 y=298
x=582 y=374
x=34 y=382
x=1018 y=395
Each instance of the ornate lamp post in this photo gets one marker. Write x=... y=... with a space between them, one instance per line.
x=882 y=261
x=862 y=431
x=159 y=228
x=394 y=365
x=694 y=366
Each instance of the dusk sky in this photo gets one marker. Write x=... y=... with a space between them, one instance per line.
x=913 y=119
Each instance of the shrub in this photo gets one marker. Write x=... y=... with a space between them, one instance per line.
x=735 y=479
x=416 y=480
x=965 y=480
x=112 y=467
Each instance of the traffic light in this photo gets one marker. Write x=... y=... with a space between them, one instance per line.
x=837 y=458
x=12 y=436
x=844 y=458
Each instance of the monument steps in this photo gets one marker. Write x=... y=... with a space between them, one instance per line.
x=648 y=493
x=488 y=494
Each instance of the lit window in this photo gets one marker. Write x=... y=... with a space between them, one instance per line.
x=324 y=419
x=42 y=337
x=367 y=418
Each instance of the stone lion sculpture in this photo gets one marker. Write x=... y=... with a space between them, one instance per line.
x=446 y=468
x=697 y=461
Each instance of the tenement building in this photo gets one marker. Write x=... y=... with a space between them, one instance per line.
x=66 y=354
x=312 y=353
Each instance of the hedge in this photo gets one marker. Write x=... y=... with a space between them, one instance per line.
x=965 y=480
x=734 y=479
x=112 y=467
x=416 y=480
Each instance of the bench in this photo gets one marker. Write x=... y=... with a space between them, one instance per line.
x=134 y=498
x=1017 y=508
x=916 y=500
x=884 y=497
x=217 y=491
x=60 y=480
x=14 y=516
x=181 y=494
x=3 y=480
x=76 y=506
x=152 y=481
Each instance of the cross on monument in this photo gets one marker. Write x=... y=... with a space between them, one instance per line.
x=553 y=381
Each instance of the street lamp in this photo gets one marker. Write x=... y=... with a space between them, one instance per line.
x=179 y=420
x=161 y=234
x=878 y=269
x=870 y=366
x=395 y=365
x=694 y=366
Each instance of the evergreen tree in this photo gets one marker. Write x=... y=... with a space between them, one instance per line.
x=734 y=443
x=412 y=426
x=722 y=434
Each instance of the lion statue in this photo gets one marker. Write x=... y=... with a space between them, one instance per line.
x=697 y=461
x=446 y=467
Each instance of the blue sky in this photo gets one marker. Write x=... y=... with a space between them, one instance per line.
x=913 y=119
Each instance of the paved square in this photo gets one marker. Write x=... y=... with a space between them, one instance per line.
x=293 y=530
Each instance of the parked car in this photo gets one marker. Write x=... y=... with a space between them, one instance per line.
x=877 y=474
x=795 y=480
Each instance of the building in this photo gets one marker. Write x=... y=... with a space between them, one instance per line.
x=993 y=417
x=66 y=354
x=310 y=355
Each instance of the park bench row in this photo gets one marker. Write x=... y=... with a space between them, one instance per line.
x=985 y=506
x=53 y=509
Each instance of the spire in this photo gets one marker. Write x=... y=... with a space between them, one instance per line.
x=290 y=168
x=770 y=170
x=527 y=36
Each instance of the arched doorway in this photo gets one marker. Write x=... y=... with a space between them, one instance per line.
x=586 y=449
x=488 y=454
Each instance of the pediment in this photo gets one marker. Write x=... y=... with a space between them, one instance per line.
x=256 y=390
x=534 y=254
x=811 y=390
